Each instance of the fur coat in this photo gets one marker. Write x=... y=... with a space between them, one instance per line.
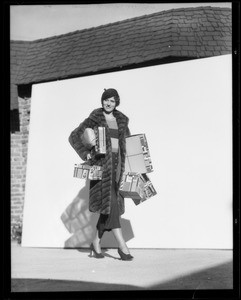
x=100 y=190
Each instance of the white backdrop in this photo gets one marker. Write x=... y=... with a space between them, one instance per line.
x=185 y=110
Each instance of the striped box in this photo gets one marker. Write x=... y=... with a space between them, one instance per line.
x=81 y=171
x=100 y=146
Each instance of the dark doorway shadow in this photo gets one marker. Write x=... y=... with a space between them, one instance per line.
x=217 y=277
x=81 y=223
x=54 y=285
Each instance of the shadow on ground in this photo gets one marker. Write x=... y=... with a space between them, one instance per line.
x=218 y=277
x=50 y=285
x=215 y=278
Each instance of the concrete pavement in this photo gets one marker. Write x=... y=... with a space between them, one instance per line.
x=45 y=269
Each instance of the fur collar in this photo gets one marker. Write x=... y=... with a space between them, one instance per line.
x=98 y=117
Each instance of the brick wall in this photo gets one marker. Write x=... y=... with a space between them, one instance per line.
x=19 y=144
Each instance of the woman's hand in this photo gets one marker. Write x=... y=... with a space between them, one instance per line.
x=88 y=156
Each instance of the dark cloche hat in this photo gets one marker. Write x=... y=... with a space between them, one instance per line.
x=108 y=93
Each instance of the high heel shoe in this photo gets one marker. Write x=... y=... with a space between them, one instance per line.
x=124 y=256
x=94 y=253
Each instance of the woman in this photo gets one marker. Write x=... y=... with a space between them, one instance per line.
x=104 y=196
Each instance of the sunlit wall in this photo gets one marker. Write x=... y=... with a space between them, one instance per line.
x=185 y=110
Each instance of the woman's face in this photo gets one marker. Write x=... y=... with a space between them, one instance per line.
x=109 y=105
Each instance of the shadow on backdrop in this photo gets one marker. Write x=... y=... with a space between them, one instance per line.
x=81 y=223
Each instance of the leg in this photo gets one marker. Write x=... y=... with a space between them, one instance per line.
x=120 y=240
x=96 y=242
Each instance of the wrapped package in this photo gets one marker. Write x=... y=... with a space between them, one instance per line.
x=95 y=173
x=137 y=154
x=95 y=140
x=81 y=171
x=131 y=186
x=149 y=190
x=85 y=171
x=136 y=186
x=89 y=138
x=100 y=146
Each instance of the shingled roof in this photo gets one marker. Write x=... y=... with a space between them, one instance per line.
x=18 y=54
x=179 y=34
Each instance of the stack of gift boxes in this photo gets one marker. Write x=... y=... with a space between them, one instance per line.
x=135 y=183
x=85 y=171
